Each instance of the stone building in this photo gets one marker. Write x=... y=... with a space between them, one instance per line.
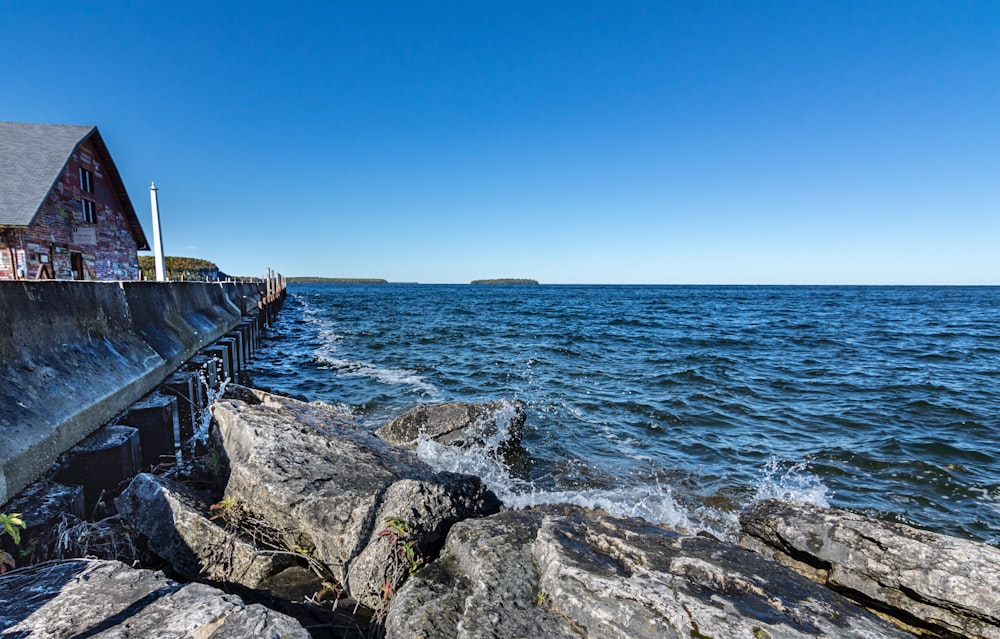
x=64 y=211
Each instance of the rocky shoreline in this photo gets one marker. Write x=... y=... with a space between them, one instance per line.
x=303 y=524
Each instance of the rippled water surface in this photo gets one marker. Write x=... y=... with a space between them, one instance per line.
x=681 y=404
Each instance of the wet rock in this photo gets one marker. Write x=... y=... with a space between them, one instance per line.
x=339 y=491
x=174 y=521
x=571 y=572
x=933 y=584
x=93 y=598
x=43 y=504
x=459 y=424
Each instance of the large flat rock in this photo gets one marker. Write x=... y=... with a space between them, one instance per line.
x=93 y=598
x=936 y=584
x=339 y=491
x=570 y=572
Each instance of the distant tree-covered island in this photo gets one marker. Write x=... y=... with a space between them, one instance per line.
x=180 y=268
x=506 y=280
x=335 y=280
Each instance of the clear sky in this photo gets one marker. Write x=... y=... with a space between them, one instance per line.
x=568 y=141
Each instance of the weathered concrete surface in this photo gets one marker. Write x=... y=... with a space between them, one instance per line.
x=570 y=572
x=75 y=354
x=459 y=424
x=337 y=488
x=175 y=522
x=938 y=585
x=93 y=598
x=186 y=317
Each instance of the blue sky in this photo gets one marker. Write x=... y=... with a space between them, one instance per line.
x=694 y=142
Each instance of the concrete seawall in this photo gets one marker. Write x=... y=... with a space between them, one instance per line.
x=73 y=355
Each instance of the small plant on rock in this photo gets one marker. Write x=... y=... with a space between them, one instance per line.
x=410 y=556
x=397 y=530
x=396 y=526
x=404 y=561
x=12 y=525
x=228 y=510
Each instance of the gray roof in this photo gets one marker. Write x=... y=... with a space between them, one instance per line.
x=31 y=158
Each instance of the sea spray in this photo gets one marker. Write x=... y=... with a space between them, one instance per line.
x=782 y=480
x=486 y=459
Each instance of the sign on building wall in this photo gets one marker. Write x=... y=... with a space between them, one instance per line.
x=85 y=236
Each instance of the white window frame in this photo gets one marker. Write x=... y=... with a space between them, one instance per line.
x=87 y=207
x=86 y=180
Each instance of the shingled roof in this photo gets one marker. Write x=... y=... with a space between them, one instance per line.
x=32 y=156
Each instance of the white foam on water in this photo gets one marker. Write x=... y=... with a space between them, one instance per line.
x=328 y=353
x=326 y=332
x=654 y=503
x=794 y=482
x=483 y=460
x=387 y=376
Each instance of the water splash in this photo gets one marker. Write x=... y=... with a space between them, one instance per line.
x=653 y=502
x=782 y=481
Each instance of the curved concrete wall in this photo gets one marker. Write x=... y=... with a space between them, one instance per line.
x=179 y=317
x=75 y=354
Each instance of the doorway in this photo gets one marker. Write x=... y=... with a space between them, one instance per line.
x=76 y=264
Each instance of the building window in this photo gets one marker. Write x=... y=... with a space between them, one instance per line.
x=86 y=180
x=87 y=206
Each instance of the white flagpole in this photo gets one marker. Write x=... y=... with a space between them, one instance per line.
x=161 y=275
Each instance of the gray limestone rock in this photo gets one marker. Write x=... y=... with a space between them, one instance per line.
x=93 y=598
x=340 y=491
x=934 y=584
x=174 y=521
x=500 y=422
x=570 y=572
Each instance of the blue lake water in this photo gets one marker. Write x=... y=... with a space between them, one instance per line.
x=681 y=404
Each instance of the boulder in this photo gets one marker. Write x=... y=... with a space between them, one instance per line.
x=369 y=510
x=176 y=524
x=496 y=424
x=94 y=598
x=570 y=572
x=933 y=584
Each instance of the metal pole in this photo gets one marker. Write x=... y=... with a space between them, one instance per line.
x=161 y=275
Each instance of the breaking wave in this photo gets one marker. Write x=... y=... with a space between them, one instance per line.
x=655 y=502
